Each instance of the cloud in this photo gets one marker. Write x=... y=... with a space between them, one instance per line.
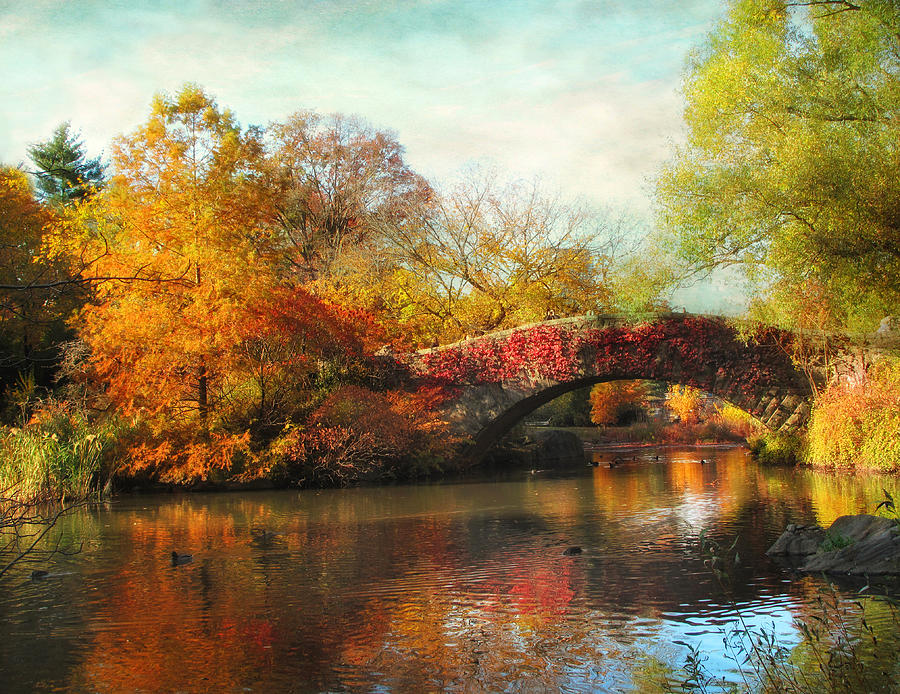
x=579 y=92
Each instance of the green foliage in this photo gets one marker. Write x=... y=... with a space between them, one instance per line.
x=844 y=647
x=64 y=173
x=792 y=166
x=59 y=454
x=776 y=448
x=572 y=409
x=20 y=397
x=834 y=542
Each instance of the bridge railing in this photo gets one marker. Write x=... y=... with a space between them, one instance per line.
x=877 y=341
x=592 y=320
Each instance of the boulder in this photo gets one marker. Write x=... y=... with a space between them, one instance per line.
x=558 y=449
x=860 y=545
x=798 y=541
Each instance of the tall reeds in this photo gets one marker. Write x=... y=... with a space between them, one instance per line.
x=59 y=454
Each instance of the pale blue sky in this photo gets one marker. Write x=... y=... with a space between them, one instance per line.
x=581 y=93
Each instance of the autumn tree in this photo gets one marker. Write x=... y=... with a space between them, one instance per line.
x=613 y=401
x=178 y=238
x=686 y=402
x=197 y=330
x=64 y=172
x=791 y=169
x=484 y=256
x=35 y=296
x=340 y=186
x=292 y=342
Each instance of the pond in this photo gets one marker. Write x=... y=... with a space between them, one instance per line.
x=461 y=586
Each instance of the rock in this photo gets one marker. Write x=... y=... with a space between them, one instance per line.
x=559 y=449
x=861 y=545
x=798 y=541
x=861 y=527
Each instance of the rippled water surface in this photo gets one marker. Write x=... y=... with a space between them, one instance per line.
x=446 y=587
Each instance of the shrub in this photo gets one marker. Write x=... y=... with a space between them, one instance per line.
x=357 y=434
x=776 y=448
x=685 y=402
x=858 y=425
x=738 y=422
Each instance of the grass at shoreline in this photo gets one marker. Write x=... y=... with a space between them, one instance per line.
x=59 y=455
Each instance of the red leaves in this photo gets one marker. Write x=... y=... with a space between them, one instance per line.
x=325 y=329
x=692 y=350
x=360 y=434
x=545 y=351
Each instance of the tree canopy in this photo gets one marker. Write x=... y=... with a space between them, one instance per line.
x=35 y=297
x=792 y=163
x=238 y=275
x=64 y=173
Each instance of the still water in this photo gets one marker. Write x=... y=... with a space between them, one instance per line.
x=446 y=587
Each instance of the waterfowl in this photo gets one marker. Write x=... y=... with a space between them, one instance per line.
x=261 y=536
x=179 y=559
x=572 y=551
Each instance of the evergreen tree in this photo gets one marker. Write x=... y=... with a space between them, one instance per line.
x=64 y=173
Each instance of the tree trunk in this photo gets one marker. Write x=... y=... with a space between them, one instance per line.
x=202 y=397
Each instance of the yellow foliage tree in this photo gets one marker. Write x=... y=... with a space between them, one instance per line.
x=484 y=257
x=685 y=402
x=37 y=293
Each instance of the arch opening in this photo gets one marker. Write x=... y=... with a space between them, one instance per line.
x=495 y=430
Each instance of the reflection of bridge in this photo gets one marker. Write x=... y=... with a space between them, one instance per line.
x=494 y=380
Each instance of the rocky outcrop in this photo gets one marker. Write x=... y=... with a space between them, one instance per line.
x=861 y=545
x=798 y=541
x=555 y=449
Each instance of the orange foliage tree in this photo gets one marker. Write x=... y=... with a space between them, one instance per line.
x=197 y=333
x=611 y=399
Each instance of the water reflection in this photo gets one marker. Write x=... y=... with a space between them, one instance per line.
x=455 y=587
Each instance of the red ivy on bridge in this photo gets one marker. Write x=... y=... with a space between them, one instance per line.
x=690 y=350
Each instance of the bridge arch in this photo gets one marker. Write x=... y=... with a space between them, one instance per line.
x=491 y=382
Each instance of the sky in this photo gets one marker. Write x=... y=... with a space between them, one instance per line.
x=582 y=94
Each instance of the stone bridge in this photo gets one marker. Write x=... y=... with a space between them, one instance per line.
x=493 y=381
